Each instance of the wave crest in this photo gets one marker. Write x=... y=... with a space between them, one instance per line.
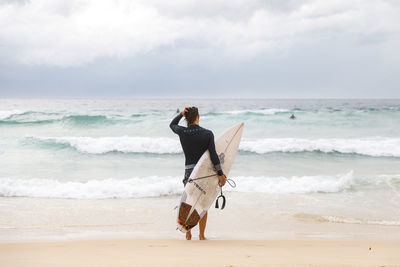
x=296 y=184
x=36 y=117
x=86 y=119
x=154 y=186
x=125 y=144
x=259 y=112
x=375 y=147
x=7 y=114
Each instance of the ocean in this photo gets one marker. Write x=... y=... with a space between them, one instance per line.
x=336 y=163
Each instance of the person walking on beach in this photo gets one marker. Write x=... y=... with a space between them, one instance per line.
x=195 y=140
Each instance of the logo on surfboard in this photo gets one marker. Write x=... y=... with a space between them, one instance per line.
x=198 y=186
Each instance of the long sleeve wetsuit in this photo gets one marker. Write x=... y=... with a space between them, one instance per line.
x=195 y=140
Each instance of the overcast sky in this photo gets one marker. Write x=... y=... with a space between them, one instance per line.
x=207 y=48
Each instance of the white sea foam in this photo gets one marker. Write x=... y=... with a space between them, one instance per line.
x=295 y=184
x=379 y=146
x=154 y=186
x=269 y=111
x=340 y=219
x=390 y=176
x=5 y=114
x=376 y=147
x=125 y=144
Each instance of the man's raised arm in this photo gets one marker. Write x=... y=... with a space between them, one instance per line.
x=174 y=124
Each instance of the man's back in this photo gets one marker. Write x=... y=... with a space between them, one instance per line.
x=195 y=140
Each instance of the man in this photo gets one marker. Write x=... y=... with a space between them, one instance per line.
x=195 y=140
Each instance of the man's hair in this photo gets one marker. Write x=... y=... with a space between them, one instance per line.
x=191 y=115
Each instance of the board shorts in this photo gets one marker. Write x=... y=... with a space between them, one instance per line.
x=187 y=175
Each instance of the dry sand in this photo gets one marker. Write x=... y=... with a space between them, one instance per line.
x=170 y=252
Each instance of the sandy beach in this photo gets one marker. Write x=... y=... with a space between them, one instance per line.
x=170 y=252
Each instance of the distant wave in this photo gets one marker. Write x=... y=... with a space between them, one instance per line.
x=86 y=119
x=26 y=117
x=6 y=114
x=375 y=147
x=36 y=121
x=154 y=186
x=17 y=116
x=275 y=111
x=32 y=117
x=137 y=115
x=269 y=111
x=342 y=219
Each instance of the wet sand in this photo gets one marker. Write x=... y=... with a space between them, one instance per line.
x=173 y=252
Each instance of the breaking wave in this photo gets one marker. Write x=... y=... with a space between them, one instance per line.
x=375 y=147
x=260 y=112
x=33 y=117
x=270 y=111
x=296 y=184
x=155 y=186
x=152 y=186
x=124 y=144
x=6 y=114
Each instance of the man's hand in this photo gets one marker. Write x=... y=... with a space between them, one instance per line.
x=222 y=179
x=184 y=111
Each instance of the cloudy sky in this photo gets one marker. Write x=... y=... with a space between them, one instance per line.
x=208 y=48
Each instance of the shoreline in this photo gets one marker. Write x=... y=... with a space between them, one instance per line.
x=279 y=217
x=174 y=252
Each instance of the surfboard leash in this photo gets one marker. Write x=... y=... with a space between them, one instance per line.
x=228 y=180
x=233 y=185
x=198 y=178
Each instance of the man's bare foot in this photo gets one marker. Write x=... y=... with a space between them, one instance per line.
x=188 y=235
x=202 y=237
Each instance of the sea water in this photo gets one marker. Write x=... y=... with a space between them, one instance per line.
x=340 y=157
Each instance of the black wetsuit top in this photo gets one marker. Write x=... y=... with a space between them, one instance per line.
x=195 y=140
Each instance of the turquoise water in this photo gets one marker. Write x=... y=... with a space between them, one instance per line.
x=123 y=148
x=66 y=163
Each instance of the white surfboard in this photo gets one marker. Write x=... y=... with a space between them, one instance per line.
x=200 y=194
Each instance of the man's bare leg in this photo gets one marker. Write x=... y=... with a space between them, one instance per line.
x=188 y=235
x=203 y=223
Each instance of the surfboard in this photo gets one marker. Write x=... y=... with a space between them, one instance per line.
x=199 y=194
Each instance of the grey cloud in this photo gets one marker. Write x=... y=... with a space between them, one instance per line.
x=15 y=2
x=79 y=32
x=231 y=10
x=201 y=48
x=310 y=71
